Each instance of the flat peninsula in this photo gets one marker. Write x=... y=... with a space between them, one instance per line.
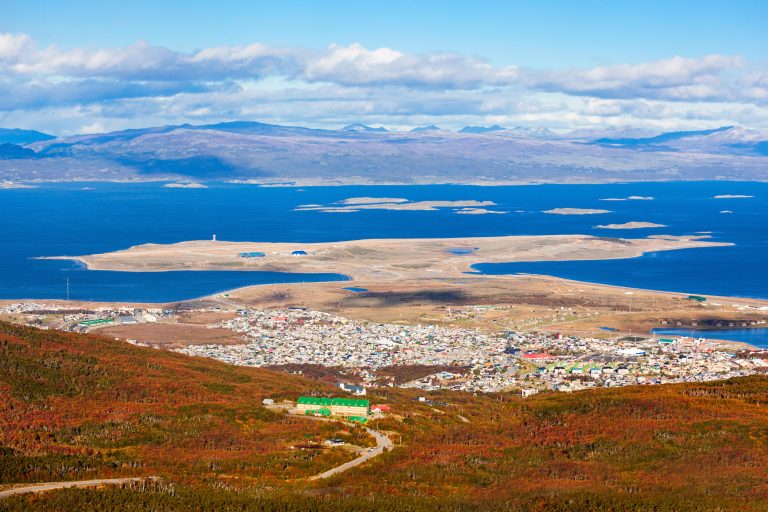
x=381 y=260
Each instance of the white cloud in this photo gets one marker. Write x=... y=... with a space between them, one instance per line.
x=12 y=46
x=95 y=127
x=709 y=78
x=145 y=84
x=348 y=65
x=356 y=65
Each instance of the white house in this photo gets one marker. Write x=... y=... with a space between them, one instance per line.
x=352 y=388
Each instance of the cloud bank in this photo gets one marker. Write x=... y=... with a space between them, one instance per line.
x=140 y=84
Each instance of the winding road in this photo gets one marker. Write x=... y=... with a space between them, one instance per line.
x=51 y=486
x=382 y=443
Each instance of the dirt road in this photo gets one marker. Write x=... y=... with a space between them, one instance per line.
x=382 y=443
x=50 y=486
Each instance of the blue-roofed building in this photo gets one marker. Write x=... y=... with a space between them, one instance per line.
x=299 y=253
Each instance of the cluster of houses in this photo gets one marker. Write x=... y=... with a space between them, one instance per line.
x=83 y=319
x=481 y=361
x=300 y=336
x=468 y=359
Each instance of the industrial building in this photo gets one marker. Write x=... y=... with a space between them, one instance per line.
x=333 y=406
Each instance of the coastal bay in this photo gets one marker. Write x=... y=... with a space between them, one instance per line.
x=420 y=264
x=97 y=218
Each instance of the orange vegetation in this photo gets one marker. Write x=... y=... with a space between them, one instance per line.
x=80 y=406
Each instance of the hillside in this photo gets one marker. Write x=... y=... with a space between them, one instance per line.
x=81 y=406
x=361 y=154
x=17 y=136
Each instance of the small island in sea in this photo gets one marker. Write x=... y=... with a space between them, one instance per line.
x=14 y=185
x=576 y=211
x=185 y=185
x=631 y=225
x=371 y=203
x=630 y=198
x=477 y=211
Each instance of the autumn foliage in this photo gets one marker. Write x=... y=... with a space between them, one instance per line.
x=78 y=406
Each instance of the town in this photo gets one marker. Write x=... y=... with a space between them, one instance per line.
x=528 y=361
x=464 y=359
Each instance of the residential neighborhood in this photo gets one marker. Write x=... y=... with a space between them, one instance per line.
x=465 y=359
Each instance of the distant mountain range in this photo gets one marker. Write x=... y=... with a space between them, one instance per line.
x=17 y=136
x=423 y=129
x=482 y=129
x=357 y=153
x=363 y=128
x=14 y=152
x=660 y=139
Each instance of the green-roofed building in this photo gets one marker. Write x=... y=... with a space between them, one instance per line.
x=336 y=406
x=97 y=321
x=314 y=401
x=324 y=411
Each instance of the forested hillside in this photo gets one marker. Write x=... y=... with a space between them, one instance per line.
x=82 y=406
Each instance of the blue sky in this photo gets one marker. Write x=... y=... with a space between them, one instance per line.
x=83 y=66
x=533 y=33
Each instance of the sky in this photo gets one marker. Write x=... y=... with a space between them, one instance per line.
x=84 y=66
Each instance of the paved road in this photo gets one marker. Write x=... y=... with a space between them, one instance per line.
x=382 y=442
x=63 y=485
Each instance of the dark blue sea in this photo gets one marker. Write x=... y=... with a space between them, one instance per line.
x=85 y=218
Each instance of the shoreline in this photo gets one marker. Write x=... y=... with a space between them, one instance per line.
x=240 y=296
x=438 y=257
x=313 y=182
x=417 y=280
x=84 y=262
x=474 y=273
x=221 y=254
x=630 y=288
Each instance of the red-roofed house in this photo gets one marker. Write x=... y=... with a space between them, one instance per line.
x=538 y=355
